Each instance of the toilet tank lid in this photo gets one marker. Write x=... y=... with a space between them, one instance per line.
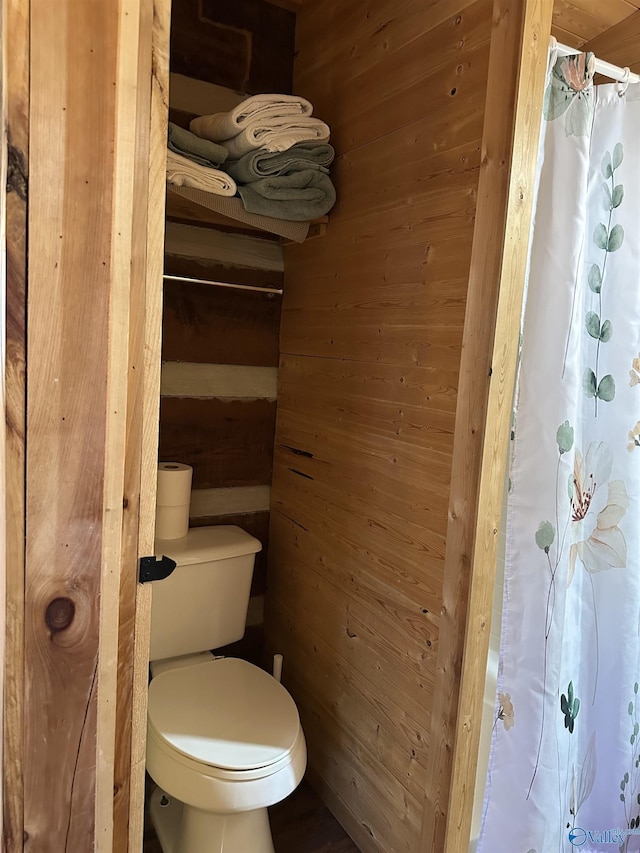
x=203 y=544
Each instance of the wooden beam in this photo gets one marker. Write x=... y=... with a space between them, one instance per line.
x=133 y=448
x=151 y=331
x=80 y=249
x=15 y=32
x=620 y=44
x=505 y=197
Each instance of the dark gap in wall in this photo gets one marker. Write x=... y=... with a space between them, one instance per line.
x=297 y=451
x=301 y=474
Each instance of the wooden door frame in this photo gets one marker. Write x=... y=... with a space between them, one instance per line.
x=151 y=182
x=515 y=87
x=15 y=32
x=132 y=296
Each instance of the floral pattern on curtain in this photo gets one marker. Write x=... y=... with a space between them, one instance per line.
x=564 y=772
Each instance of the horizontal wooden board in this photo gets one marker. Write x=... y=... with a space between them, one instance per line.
x=401 y=651
x=232 y=249
x=584 y=20
x=410 y=175
x=620 y=44
x=229 y=501
x=215 y=325
x=380 y=541
x=369 y=34
x=255 y=523
x=413 y=405
x=440 y=64
x=452 y=90
x=222 y=381
x=364 y=709
x=228 y=443
x=348 y=569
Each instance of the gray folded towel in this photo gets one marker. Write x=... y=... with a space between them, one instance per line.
x=263 y=164
x=201 y=151
x=298 y=196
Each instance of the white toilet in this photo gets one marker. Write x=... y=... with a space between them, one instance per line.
x=224 y=739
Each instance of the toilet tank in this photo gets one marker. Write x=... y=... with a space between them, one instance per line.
x=203 y=604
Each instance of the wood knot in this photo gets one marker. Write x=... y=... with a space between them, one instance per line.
x=59 y=615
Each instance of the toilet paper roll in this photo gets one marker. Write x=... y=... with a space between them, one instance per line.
x=172 y=522
x=173 y=499
x=174 y=484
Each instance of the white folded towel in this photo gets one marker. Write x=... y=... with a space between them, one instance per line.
x=260 y=109
x=185 y=173
x=276 y=135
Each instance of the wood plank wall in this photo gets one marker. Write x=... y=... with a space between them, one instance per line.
x=370 y=348
x=220 y=364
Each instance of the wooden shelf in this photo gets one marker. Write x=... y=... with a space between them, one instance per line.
x=183 y=207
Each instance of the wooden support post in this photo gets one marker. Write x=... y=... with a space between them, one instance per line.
x=87 y=107
x=517 y=66
x=151 y=349
x=15 y=50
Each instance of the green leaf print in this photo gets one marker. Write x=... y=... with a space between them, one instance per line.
x=595 y=278
x=616 y=238
x=606 y=389
x=545 y=535
x=592 y=322
x=601 y=237
x=608 y=238
x=618 y=156
x=617 y=196
x=606 y=331
x=569 y=705
x=564 y=437
x=589 y=382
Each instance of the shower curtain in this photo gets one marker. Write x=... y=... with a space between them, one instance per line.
x=564 y=772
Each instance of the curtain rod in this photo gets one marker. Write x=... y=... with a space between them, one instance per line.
x=275 y=290
x=602 y=67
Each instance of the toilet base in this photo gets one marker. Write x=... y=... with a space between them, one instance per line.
x=183 y=829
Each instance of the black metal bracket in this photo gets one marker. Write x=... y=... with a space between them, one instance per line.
x=154 y=569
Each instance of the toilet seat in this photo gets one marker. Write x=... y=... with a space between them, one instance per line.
x=227 y=714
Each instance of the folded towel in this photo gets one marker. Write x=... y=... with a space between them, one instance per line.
x=185 y=173
x=262 y=164
x=298 y=196
x=201 y=151
x=273 y=135
x=258 y=109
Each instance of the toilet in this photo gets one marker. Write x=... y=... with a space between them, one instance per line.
x=224 y=739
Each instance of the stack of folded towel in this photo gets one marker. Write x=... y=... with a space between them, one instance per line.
x=193 y=162
x=277 y=154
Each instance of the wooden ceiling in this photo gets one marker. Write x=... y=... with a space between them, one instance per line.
x=579 y=21
x=575 y=22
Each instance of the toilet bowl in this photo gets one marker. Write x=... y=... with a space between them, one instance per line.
x=224 y=739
